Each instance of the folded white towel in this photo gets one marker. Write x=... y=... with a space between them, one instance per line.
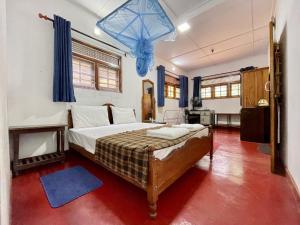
x=191 y=127
x=169 y=133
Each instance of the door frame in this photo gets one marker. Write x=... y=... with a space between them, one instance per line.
x=275 y=162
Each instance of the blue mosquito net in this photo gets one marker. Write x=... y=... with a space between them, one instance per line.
x=138 y=24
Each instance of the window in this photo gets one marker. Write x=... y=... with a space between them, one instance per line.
x=221 y=86
x=177 y=92
x=206 y=92
x=235 y=89
x=83 y=73
x=95 y=68
x=108 y=78
x=172 y=89
x=220 y=91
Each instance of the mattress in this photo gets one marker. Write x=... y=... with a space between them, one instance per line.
x=86 y=137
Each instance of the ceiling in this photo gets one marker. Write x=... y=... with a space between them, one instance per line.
x=232 y=28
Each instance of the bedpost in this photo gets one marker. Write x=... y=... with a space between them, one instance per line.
x=211 y=151
x=152 y=188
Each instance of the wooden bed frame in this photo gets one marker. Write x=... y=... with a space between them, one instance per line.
x=162 y=173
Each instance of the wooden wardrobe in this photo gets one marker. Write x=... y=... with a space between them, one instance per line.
x=255 y=120
x=255 y=85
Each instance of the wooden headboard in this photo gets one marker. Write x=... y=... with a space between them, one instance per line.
x=110 y=117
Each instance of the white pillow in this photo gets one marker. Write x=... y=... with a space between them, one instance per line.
x=89 y=116
x=123 y=115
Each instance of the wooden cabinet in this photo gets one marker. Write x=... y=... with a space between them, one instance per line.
x=254 y=83
x=255 y=124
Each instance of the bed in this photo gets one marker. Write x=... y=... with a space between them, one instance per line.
x=160 y=167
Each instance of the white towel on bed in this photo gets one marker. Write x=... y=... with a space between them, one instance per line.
x=191 y=127
x=169 y=133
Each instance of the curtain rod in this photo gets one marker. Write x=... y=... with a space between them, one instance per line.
x=84 y=34
x=220 y=75
x=175 y=75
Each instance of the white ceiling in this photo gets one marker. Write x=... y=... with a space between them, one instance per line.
x=233 y=28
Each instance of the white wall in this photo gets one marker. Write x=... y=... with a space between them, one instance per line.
x=5 y=175
x=288 y=35
x=228 y=105
x=30 y=56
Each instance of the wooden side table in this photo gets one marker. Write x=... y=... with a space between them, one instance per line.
x=26 y=163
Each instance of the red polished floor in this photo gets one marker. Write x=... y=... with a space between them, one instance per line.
x=237 y=188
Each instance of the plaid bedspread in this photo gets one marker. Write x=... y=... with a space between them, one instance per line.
x=128 y=153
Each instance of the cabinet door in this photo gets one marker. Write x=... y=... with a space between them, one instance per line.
x=248 y=89
x=262 y=77
x=253 y=87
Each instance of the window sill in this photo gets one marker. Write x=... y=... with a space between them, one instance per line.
x=172 y=98
x=95 y=89
x=221 y=98
x=86 y=88
x=109 y=90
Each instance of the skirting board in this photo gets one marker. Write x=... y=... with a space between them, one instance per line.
x=293 y=184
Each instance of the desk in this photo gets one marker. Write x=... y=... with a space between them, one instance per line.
x=204 y=117
x=228 y=119
x=22 y=164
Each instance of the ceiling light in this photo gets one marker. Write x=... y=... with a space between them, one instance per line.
x=97 y=31
x=173 y=68
x=177 y=62
x=183 y=27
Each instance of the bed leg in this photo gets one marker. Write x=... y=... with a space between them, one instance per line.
x=152 y=201
x=152 y=189
x=152 y=195
x=152 y=210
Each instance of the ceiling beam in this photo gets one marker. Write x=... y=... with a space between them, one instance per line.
x=84 y=8
x=169 y=11
x=218 y=42
x=198 y=10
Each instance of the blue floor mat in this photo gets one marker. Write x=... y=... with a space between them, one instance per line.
x=64 y=186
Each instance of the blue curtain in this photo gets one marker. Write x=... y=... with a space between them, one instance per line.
x=63 y=90
x=184 y=91
x=161 y=86
x=196 y=91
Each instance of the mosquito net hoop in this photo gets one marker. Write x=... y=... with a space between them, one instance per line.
x=138 y=24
